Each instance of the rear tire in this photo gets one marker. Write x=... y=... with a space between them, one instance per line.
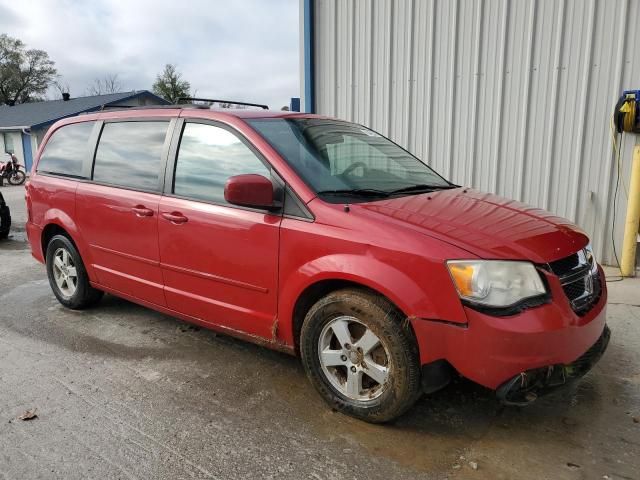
x=371 y=369
x=67 y=276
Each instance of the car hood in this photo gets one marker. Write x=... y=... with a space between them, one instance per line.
x=486 y=225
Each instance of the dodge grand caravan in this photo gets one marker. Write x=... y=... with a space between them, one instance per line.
x=321 y=238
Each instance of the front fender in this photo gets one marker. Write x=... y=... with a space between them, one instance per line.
x=413 y=299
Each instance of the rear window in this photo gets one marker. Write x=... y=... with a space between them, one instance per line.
x=66 y=150
x=130 y=155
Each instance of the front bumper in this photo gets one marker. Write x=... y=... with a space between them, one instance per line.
x=493 y=350
x=525 y=387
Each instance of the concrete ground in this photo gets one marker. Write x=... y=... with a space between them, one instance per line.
x=122 y=392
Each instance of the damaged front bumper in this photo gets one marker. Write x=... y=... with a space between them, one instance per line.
x=525 y=387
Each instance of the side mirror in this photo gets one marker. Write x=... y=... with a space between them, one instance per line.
x=250 y=190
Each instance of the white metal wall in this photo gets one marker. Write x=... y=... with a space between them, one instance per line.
x=508 y=96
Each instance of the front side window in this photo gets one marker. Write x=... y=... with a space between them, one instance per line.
x=207 y=157
x=339 y=158
x=130 y=155
x=66 y=150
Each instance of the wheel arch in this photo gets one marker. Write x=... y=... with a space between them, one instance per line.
x=50 y=231
x=321 y=288
x=310 y=281
x=59 y=223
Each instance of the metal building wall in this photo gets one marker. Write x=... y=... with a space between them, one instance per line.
x=508 y=96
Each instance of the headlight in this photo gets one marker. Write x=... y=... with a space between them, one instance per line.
x=495 y=283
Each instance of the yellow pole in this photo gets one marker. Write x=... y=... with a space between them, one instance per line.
x=628 y=264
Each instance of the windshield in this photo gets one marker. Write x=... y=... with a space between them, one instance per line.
x=344 y=159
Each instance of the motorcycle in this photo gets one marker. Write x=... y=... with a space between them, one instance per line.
x=13 y=172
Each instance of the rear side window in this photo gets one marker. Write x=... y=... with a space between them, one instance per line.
x=207 y=157
x=66 y=150
x=130 y=155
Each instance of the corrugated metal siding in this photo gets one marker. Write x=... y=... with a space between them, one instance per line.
x=508 y=96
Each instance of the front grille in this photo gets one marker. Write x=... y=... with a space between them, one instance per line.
x=565 y=265
x=580 y=280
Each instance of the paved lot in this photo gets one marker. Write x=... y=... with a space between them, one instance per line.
x=123 y=392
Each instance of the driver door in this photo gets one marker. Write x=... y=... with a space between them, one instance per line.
x=219 y=261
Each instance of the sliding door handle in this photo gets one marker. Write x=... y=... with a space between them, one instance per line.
x=142 y=211
x=175 y=217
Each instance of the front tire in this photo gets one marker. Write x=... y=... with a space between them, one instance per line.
x=67 y=276
x=360 y=355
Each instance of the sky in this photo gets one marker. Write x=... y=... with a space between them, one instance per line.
x=230 y=49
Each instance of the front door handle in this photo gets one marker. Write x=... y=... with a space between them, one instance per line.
x=175 y=217
x=142 y=211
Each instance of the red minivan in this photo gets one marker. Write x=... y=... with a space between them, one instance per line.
x=321 y=238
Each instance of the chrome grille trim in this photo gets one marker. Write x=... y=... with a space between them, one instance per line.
x=580 y=280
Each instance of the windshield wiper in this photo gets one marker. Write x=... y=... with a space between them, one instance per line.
x=372 y=192
x=421 y=188
x=356 y=192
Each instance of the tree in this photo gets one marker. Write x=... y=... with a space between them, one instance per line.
x=170 y=86
x=60 y=86
x=25 y=74
x=107 y=84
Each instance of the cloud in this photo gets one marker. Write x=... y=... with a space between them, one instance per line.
x=241 y=49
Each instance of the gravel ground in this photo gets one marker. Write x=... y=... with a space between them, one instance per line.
x=122 y=392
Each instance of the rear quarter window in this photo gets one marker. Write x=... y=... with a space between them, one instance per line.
x=66 y=150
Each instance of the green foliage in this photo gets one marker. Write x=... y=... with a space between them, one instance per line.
x=170 y=86
x=25 y=74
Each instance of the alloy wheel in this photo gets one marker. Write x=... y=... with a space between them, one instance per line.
x=354 y=359
x=65 y=273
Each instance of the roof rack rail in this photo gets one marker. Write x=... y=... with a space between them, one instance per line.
x=105 y=106
x=144 y=107
x=211 y=100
